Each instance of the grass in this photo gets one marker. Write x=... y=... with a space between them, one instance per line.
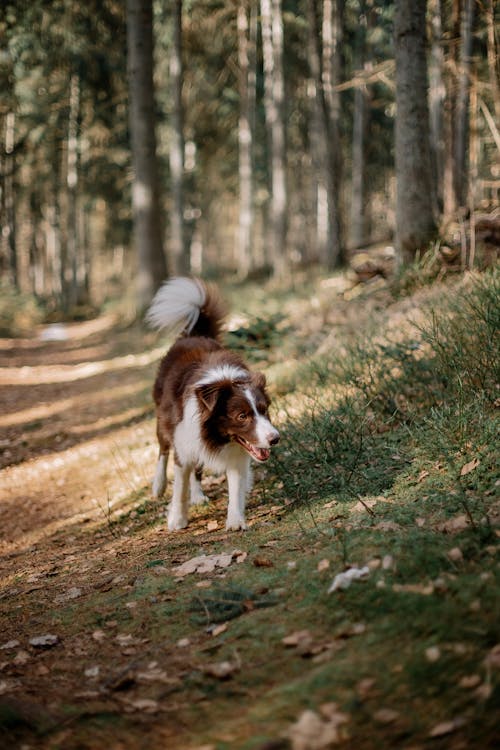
x=388 y=459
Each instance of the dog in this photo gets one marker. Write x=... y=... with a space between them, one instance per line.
x=211 y=409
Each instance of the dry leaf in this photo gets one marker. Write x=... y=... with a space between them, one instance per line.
x=208 y=563
x=92 y=671
x=212 y=525
x=365 y=687
x=44 y=641
x=344 y=580
x=469 y=681
x=218 y=629
x=470 y=466
x=311 y=732
x=323 y=565
x=386 y=715
x=432 y=654
x=146 y=705
x=9 y=644
x=299 y=636
x=21 y=657
x=446 y=727
x=455 y=554
x=423 y=474
x=72 y=593
x=262 y=562
x=426 y=589
x=454 y=525
x=221 y=669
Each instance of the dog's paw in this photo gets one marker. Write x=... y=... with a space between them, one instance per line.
x=198 y=498
x=176 y=522
x=236 y=524
x=158 y=487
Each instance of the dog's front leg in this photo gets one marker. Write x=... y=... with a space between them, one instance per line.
x=178 y=509
x=237 y=481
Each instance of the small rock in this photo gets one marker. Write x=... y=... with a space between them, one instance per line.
x=44 y=641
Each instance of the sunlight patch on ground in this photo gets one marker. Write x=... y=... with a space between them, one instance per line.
x=44 y=375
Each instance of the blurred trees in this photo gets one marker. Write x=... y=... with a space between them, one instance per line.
x=276 y=140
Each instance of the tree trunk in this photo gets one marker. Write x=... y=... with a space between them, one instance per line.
x=415 y=223
x=180 y=255
x=325 y=73
x=461 y=119
x=72 y=249
x=358 y=199
x=272 y=43
x=493 y=59
x=246 y=57
x=147 y=229
x=9 y=230
x=437 y=95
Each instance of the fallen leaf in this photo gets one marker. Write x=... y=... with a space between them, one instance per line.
x=222 y=670
x=454 y=525
x=92 y=671
x=432 y=654
x=44 y=641
x=423 y=474
x=10 y=644
x=446 y=727
x=296 y=638
x=323 y=565
x=212 y=525
x=386 y=716
x=470 y=466
x=98 y=635
x=425 y=589
x=218 y=629
x=146 y=705
x=344 y=580
x=311 y=732
x=469 y=681
x=72 y=593
x=262 y=562
x=387 y=526
x=365 y=687
x=455 y=554
x=21 y=657
x=207 y=563
x=387 y=562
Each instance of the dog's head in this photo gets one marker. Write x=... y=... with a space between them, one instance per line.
x=237 y=410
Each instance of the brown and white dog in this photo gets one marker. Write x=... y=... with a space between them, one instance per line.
x=211 y=409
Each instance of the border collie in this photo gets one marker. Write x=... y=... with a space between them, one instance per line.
x=211 y=410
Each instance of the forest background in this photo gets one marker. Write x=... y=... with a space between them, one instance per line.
x=269 y=143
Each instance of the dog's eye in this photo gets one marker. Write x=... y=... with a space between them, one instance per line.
x=242 y=416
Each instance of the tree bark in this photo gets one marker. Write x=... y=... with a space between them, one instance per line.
x=180 y=254
x=437 y=95
x=325 y=69
x=461 y=119
x=246 y=57
x=147 y=228
x=272 y=43
x=415 y=223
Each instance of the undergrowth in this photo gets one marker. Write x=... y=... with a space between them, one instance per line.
x=390 y=407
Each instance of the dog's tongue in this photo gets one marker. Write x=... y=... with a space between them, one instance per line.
x=261 y=454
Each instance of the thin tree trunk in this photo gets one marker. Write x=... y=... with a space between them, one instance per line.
x=493 y=59
x=147 y=229
x=461 y=119
x=245 y=142
x=72 y=249
x=415 y=224
x=9 y=199
x=437 y=95
x=272 y=42
x=323 y=68
x=357 y=220
x=180 y=255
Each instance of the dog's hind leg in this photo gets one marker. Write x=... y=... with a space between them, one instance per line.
x=178 y=509
x=160 y=477
x=196 y=496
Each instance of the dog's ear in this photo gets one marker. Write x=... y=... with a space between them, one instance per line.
x=259 y=380
x=209 y=395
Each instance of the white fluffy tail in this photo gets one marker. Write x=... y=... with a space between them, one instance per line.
x=176 y=305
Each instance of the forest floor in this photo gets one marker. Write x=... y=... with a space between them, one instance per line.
x=105 y=642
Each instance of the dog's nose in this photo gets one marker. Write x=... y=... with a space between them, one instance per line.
x=274 y=438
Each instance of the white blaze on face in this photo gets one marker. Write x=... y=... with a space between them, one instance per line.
x=222 y=372
x=264 y=430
